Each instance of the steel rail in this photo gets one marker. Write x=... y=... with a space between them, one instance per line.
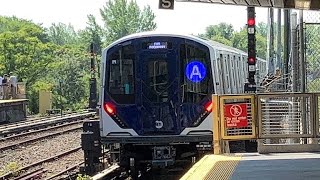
x=53 y=158
x=38 y=138
x=43 y=124
x=64 y=171
x=31 y=175
x=39 y=131
x=33 y=120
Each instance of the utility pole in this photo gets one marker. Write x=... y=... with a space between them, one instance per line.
x=303 y=74
x=61 y=105
x=93 y=81
x=286 y=46
x=301 y=49
x=294 y=50
x=270 y=51
x=279 y=48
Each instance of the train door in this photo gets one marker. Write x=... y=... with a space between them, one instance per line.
x=159 y=84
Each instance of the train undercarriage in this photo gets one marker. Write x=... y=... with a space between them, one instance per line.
x=139 y=158
x=139 y=155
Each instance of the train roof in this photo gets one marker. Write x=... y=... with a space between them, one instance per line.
x=204 y=41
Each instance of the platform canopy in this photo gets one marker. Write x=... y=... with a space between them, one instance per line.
x=292 y=4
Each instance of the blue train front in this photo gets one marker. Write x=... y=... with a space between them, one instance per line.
x=156 y=99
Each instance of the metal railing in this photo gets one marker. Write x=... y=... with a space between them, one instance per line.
x=281 y=122
x=8 y=92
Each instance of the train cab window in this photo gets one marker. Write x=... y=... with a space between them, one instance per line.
x=195 y=91
x=158 y=79
x=121 y=75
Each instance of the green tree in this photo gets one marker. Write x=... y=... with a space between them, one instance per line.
x=62 y=34
x=225 y=34
x=312 y=54
x=122 y=18
x=71 y=68
x=14 y=24
x=93 y=33
x=240 y=41
x=26 y=52
x=262 y=29
x=221 y=30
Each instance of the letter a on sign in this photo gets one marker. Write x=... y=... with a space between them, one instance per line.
x=195 y=72
x=166 y=4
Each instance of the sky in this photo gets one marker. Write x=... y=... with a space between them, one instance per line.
x=191 y=18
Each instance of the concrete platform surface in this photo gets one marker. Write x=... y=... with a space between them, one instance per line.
x=254 y=166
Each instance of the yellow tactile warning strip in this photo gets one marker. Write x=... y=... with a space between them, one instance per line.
x=215 y=167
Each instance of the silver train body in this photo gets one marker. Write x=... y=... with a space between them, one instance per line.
x=159 y=136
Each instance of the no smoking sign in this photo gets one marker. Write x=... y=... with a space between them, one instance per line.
x=236 y=115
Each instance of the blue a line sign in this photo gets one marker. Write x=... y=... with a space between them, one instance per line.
x=195 y=71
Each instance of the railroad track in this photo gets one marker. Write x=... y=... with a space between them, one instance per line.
x=65 y=130
x=18 y=143
x=36 y=119
x=24 y=134
x=39 y=168
x=6 y=131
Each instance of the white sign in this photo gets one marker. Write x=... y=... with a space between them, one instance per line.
x=252 y=68
x=251 y=30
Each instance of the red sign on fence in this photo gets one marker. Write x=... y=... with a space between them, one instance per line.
x=236 y=115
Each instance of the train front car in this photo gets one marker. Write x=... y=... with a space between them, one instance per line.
x=156 y=99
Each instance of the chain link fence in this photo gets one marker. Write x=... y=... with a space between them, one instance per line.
x=311 y=21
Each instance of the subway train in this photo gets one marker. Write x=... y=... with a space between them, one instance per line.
x=156 y=96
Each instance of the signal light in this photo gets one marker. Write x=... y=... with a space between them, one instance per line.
x=251 y=22
x=209 y=106
x=251 y=60
x=109 y=108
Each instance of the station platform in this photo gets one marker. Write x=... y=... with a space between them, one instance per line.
x=11 y=101
x=13 y=110
x=275 y=166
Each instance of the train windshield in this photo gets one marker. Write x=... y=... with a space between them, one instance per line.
x=158 y=79
x=121 y=77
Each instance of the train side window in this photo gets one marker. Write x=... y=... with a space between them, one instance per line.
x=234 y=71
x=121 y=75
x=245 y=67
x=241 y=74
x=221 y=75
x=227 y=62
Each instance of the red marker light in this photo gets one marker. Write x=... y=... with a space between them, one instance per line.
x=251 y=60
x=209 y=106
x=109 y=108
x=251 y=22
